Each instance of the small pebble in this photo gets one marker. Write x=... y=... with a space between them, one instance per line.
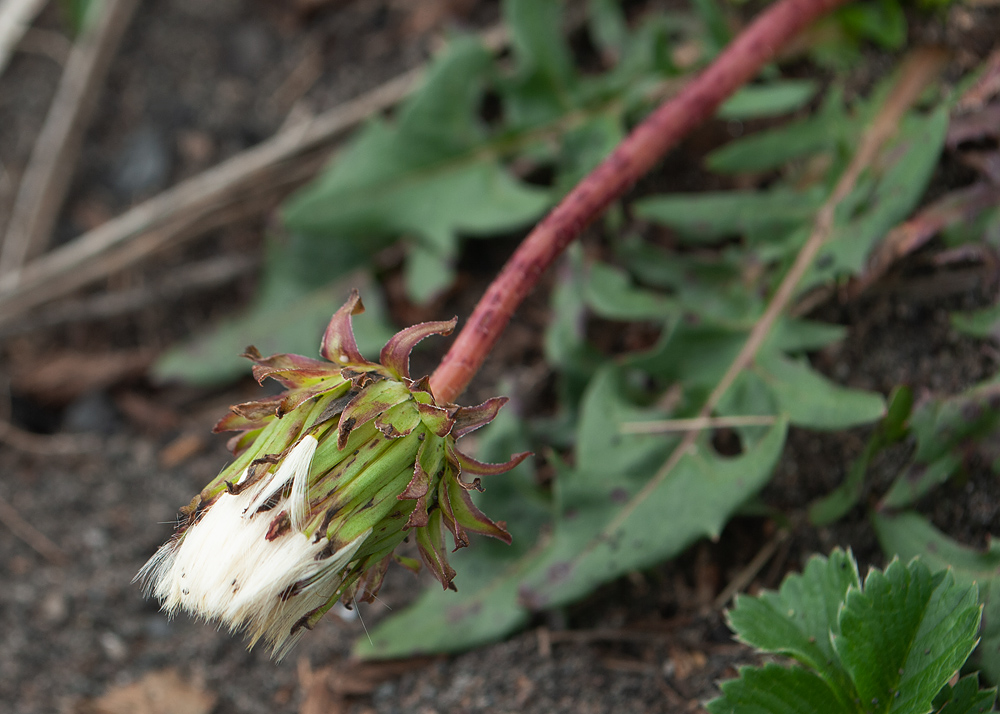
x=142 y=166
x=54 y=608
x=114 y=646
x=91 y=413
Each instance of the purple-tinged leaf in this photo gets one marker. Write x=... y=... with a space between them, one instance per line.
x=249 y=415
x=438 y=420
x=430 y=542
x=448 y=513
x=467 y=516
x=368 y=404
x=471 y=418
x=422 y=385
x=338 y=343
x=370 y=582
x=396 y=353
x=234 y=421
x=467 y=464
x=425 y=468
x=290 y=370
x=295 y=397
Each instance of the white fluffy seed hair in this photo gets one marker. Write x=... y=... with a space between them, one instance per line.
x=224 y=568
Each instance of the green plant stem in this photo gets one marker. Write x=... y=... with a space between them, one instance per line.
x=634 y=157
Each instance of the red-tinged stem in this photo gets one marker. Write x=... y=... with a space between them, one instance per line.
x=636 y=155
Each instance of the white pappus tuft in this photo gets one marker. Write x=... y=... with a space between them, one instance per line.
x=224 y=567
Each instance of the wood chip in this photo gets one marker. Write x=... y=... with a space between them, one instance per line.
x=324 y=690
x=160 y=692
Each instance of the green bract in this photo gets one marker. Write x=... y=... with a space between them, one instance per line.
x=330 y=476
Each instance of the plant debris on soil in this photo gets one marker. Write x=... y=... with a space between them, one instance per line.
x=98 y=459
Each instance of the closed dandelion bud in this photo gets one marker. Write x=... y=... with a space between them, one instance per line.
x=329 y=478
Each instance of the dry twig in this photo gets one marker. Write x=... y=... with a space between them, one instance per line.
x=247 y=183
x=46 y=180
x=16 y=17
x=46 y=445
x=38 y=541
x=747 y=574
x=203 y=275
x=961 y=205
x=664 y=426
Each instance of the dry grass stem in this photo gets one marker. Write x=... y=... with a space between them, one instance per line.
x=16 y=17
x=249 y=183
x=920 y=68
x=38 y=541
x=663 y=426
x=46 y=180
x=748 y=573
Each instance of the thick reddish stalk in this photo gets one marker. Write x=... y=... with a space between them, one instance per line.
x=636 y=155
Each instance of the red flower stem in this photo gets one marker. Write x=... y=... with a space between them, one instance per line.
x=635 y=156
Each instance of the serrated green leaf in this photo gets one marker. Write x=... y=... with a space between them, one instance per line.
x=882 y=21
x=427 y=176
x=608 y=26
x=608 y=531
x=811 y=400
x=889 y=646
x=794 y=335
x=984 y=324
x=909 y=535
x=718 y=35
x=707 y=217
x=966 y=697
x=768 y=100
x=798 y=620
x=542 y=86
x=610 y=293
x=565 y=345
x=695 y=354
x=428 y=272
x=911 y=160
x=774 y=689
x=583 y=147
x=904 y=636
x=773 y=148
x=943 y=428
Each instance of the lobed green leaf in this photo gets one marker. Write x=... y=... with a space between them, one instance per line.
x=905 y=634
x=910 y=535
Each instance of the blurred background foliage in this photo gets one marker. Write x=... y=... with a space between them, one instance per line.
x=488 y=144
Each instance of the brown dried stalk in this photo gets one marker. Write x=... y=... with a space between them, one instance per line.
x=47 y=178
x=635 y=156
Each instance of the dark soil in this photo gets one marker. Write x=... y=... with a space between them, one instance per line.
x=195 y=83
